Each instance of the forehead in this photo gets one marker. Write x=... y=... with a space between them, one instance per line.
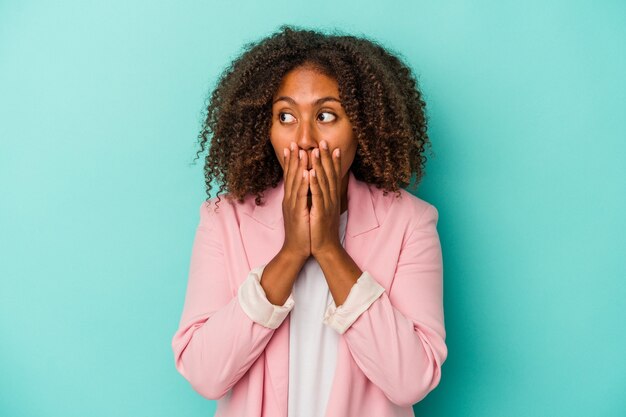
x=304 y=83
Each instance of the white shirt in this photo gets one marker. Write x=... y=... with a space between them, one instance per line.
x=312 y=344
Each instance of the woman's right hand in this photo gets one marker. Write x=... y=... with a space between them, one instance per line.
x=295 y=208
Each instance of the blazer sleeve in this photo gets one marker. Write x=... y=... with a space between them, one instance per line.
x=399 y=340
x=220 y=336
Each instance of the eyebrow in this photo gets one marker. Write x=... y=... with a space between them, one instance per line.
x=315 y=103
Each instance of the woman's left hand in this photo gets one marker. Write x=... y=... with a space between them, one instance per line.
x=325 y=188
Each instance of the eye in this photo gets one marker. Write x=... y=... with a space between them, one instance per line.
x=281 y=113
x=333 y=114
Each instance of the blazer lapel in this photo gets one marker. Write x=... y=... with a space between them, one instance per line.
x=262 y=233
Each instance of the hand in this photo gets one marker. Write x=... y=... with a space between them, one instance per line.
x=325 y=184
x=295 y=209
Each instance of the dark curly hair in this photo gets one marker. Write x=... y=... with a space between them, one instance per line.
x=377 y=89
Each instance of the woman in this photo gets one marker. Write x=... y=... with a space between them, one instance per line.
x=322 y=127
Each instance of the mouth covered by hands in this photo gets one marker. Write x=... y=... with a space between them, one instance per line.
x=325 y=195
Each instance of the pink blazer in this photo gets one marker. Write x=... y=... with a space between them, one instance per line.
x=387 y=360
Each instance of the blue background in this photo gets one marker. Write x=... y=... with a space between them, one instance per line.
x=101 y=104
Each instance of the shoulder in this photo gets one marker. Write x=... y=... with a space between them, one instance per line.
x=224 y=211
x=404 y=208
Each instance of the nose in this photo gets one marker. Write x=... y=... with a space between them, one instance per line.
x=307 y=141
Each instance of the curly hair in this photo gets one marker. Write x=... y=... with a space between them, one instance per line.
x=378 y=92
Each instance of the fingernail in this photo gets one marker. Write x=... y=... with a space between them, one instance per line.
x=316 y=152
x=292 y=146
x=285 y=152
x=338 y=153
x=300 y=154
x=324 y=144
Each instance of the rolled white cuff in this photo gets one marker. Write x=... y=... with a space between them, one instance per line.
x=255 y=304
x=362 y=294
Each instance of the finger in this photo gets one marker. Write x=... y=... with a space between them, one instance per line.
x=288 y=170
x=285 y=163
x=323 y=173
x=317 y=198
x=300 y=183
x=329 y=169
x=337 y=165
x=301 y=203
x=293 y=165
x=320 y=179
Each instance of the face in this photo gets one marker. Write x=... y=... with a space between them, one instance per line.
x=306 y=110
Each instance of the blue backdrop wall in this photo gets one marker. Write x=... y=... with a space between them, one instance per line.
x=100 y=107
